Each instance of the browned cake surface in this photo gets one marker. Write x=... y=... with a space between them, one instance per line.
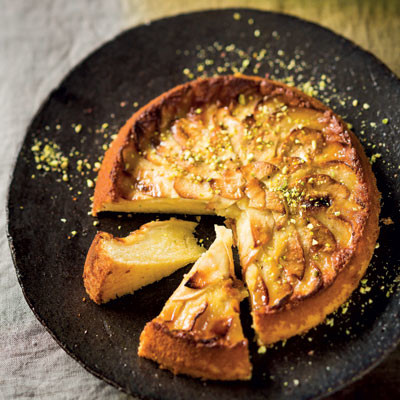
x=287 y=172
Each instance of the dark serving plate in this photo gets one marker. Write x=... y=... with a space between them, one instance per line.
x=95 y=99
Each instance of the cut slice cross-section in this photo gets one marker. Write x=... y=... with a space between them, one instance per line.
x=118 y=266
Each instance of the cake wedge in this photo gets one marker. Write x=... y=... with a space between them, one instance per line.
x=198 y=332
x=118 y=266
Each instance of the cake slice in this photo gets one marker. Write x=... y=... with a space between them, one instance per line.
x=198 y=332
x=118 y=266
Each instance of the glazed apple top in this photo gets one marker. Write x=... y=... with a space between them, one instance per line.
x=206 y=303
x=282 y=166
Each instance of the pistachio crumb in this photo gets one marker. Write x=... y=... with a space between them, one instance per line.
x=250 y=157
x=236 y=16
x=262 y=350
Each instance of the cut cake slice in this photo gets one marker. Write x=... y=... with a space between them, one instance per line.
x=198 y=332
x=118 y=266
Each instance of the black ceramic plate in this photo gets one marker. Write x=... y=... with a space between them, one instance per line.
x=90 y=105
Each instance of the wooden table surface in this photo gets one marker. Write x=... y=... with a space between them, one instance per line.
x=372 y=24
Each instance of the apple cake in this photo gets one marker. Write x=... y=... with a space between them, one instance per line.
x=115 y=266
x=286 y=172
x=198 y=332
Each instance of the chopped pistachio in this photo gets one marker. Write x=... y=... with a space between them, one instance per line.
x=262 y=350
x=250 y=157
x=236 y=16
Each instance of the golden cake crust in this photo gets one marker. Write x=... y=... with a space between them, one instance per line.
x=182 y=352
x=99 y=265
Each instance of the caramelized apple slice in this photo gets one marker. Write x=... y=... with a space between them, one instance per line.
x=278 y=287
x=310 y=283
x=255 y=193
x=274 y=203
x=303 y=143
x=254 y=229
x=258 y=291
x=273 y=272
x=341 y=229
x=260 y=170
x=292 y=257
x=150 y=180
x=190 y=188
x=230 y=185
x=320 y=186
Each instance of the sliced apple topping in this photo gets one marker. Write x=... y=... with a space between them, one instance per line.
x=292 y=257
x=255 y=193
x=230 y=185
x=276 y=282
x=260 y=170
x=310 y=283
x=258 y=291
x=190 y=188
x=303 y=143
x=150 y=180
